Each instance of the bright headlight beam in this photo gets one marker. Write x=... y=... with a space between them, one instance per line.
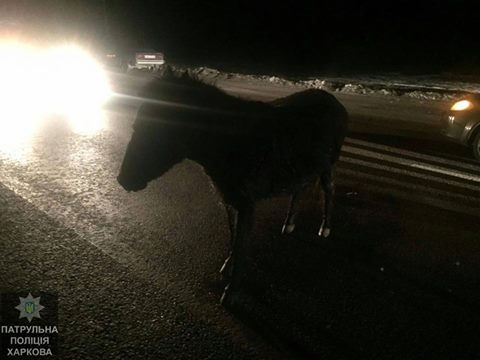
x=21 y=100
x=38 y=83
x=462 y=105
x=79 y=87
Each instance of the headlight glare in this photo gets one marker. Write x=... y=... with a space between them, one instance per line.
x=462 y=105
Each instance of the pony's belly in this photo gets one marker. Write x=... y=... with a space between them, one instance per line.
x=263 y=187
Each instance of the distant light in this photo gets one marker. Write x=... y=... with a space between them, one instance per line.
x=462 y=105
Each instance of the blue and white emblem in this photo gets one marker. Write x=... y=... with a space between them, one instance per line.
x=29 y=307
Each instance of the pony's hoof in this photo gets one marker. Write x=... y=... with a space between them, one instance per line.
x=288 y=228
x=226 y=269
x=324 y=232
x=228 y=299
x=226 y=272
x=234 y=300
x=224 y=298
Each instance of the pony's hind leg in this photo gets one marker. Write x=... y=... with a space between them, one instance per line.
x=328 y=186
x=289 y=224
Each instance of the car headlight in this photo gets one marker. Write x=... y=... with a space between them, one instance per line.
x=462 y=105
x=37 y=83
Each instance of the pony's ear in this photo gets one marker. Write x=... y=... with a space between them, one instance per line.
x=186 y=74
x=169 y=72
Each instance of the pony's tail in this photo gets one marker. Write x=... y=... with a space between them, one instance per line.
x=343 y=131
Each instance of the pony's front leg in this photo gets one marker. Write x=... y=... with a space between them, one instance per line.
x=232 y=214
x=243 y=228
x=293 y=209
x=328 y=187
x=289 y=224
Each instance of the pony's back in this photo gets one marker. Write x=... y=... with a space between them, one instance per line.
x=194 y=104
x=312 y=119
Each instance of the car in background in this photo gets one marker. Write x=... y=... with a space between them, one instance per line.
x=129 y=59
x=461 y=123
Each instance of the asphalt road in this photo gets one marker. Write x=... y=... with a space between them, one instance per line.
x=137 y=273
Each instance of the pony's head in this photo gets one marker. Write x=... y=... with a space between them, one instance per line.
x=153 y=149
x=175 y=106
x=157 y=142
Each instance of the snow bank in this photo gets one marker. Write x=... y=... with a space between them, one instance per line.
x=420 y=87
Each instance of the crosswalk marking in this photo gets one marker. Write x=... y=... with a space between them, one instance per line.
x=407 y=172
x=442 y=186
x=383 y=169
x=420 y=190
x=446 y=172
x=349 y=177
x=404 y=152
x=411 y=163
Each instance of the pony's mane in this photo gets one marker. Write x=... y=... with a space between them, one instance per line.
x=186 y=89
x=178 y=78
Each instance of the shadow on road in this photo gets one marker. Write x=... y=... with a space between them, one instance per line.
x=396 y=280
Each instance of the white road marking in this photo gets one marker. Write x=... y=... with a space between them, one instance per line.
x=428 y=196
x=375 y=160
x=401 y=171
x=398 y=151
x=419 y=189
x=411 y=163
x=446 y=171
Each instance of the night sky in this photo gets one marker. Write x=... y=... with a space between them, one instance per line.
x=290 y=37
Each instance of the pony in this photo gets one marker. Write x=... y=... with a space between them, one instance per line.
x=251 y=150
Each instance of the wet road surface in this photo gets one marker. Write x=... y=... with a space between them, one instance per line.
x=137 y=273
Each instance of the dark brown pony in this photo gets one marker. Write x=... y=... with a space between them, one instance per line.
x=251 y=150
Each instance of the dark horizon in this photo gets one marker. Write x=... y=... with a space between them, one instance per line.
x=292 y=37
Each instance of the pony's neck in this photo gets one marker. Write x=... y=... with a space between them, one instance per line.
x=215 y=153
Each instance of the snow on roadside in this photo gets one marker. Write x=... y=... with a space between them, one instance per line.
x=430 y=95
x=421 y=88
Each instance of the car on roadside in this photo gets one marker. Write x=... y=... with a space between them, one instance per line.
x=128 y=59
x=461 y=123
